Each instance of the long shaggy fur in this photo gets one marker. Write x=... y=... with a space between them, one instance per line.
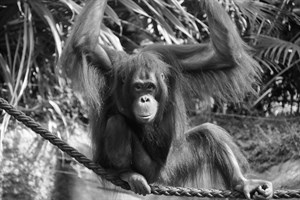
x=222 y=68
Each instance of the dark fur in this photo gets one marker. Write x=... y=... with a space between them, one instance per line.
x=173 y=154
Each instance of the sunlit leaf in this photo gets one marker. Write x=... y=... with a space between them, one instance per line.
x=266 y=63
x=257 y=9
x=22 y=63
x=107 y=35
x=111 y=13
x=6 y=74
x=187 y=15
x=8 y=49
x=131 y=5
x=266 y=88
x=166 y=12
x=31 y=43
x=276 y=49
x=166 y=30
x=73 y=6
x=16 y=56
x=261 y=97
x=46 y=15
x=58 y=111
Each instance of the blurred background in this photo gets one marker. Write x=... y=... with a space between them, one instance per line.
x=32 y=35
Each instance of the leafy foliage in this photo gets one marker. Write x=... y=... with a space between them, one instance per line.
x=33 y=33
x=279 y=56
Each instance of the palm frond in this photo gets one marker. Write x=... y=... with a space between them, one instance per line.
x=46 y=15
x=173 y=19
x=267 y=87
x=73 y=6
x=112 y=15
x=167 y=18
x=258 y=12
x=277 y=50
x=131 y=5
x=256 y=8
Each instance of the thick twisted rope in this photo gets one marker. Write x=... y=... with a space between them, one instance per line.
x=114 y=178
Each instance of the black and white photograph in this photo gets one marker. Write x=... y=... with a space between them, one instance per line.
x=149 y=99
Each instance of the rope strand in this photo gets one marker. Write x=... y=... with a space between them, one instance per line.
x=114 y=177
